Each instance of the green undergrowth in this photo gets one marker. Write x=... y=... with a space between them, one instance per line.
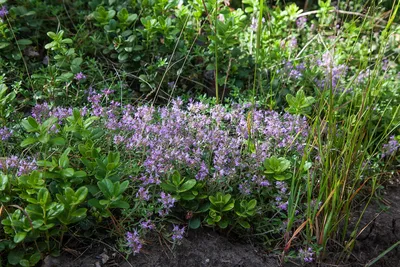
x=124 y=119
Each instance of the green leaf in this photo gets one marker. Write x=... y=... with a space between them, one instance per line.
x=81 y=194
x=120 y=204
x=223 y=223
x=67 y=41
x=203 y=208
x=123 y=57
x=80 y=174
x=79 y=214
x=104 y=202
x=106 y=187
x=24 y=42
x=47 y=124
x=37 y=223
x=194 y=223
x=44 y=138
x=123 y=15
x=65 y=77
x=4 y=45
x=3 y=181
x=244 y=224
x=54 y=210
x=176 y=178
x=77 y=61
x=45 y=163
x=19 y=237
x=30 y=124
x=15 y=255
x=229 y=207
x=63 y=162
x=24 y=263
x=123 y=187
x=252 y=204
x=68 y=172
x=43 y=196
x=34 y=258
x=52 y=35
x=187 y=185
x=95 y=203
x=58 y=141
x=187 y=196
x=168 y=187
x=226 y=198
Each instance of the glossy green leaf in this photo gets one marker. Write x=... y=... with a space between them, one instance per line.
x=186 y=186
x=19 y=237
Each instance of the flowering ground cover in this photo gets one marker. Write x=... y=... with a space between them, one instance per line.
x=164 y=129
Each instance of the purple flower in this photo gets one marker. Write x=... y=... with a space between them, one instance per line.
x=5 y=133
x=167 y=200
x=107 y=91
x=301 y=22
x=80 y=76
x=283 y=205
x=281 y=186
x=391 y=147
x=147 y=225
x=171 y=84
x=293 y=42
x=307 y=255
x=22 y=166
x=133 y=241
x=203 y=172
x=245 y=188
x=332 y=71
x=254 y=23
x=40 y=112
x=143 y=194
x=3 y=12
x=177 y=233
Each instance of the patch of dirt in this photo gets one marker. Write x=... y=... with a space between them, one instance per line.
x=382 y=229
x=202 y=248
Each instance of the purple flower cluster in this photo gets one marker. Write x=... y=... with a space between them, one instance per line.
x=5 y=133
x=22 y=166
x=143 y=194
x=80 y=76
x=291 y=71
x=3 y=12
x=177 y=233
x=333 y=72
x=391 y=147
x=281 y=202
x=134 y=242
x=41 y=112
x=148 y=225
x=301 y=22
x=167 y=202
x=209 y=142
x=200 y=137
x=245 y=188
x=307 y=255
